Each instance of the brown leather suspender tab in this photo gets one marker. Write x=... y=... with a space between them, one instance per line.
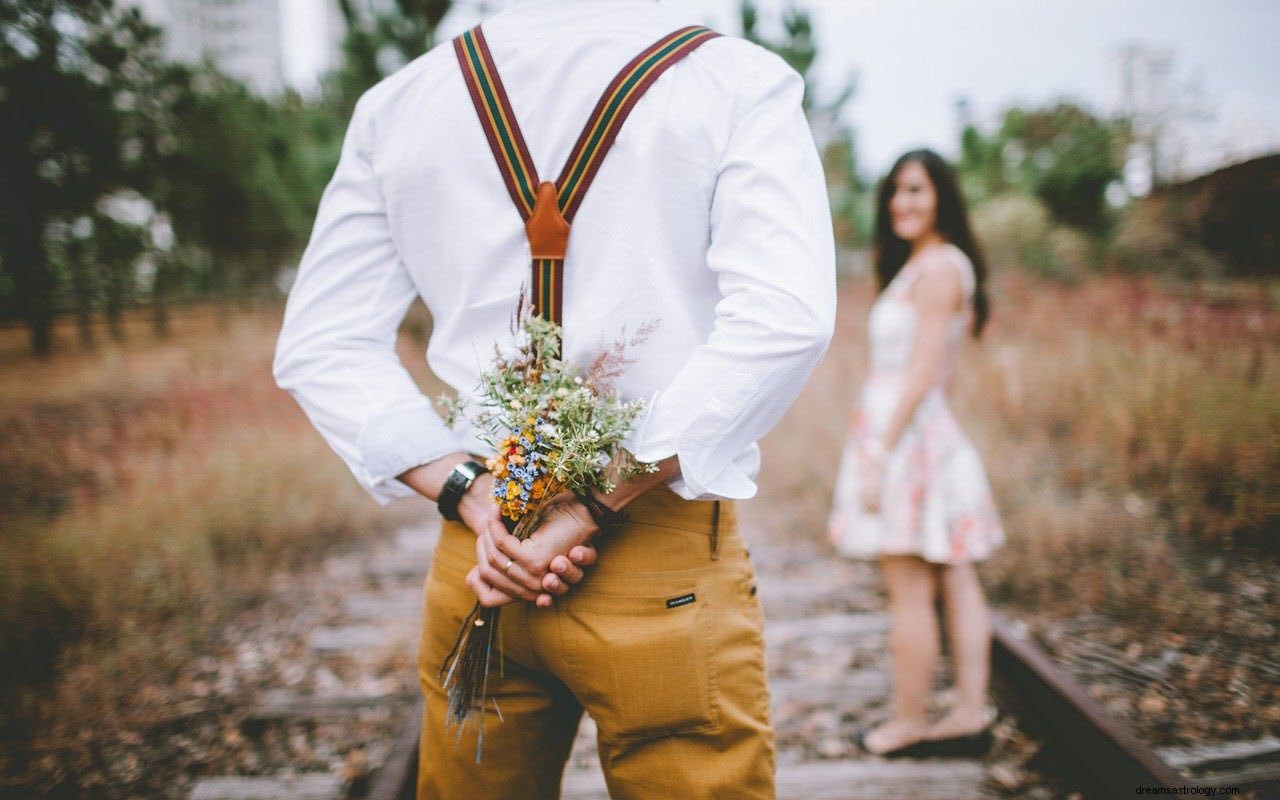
x=546 y=228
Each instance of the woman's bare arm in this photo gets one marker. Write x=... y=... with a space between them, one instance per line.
x=936 y=295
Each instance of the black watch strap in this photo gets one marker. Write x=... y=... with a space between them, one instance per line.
x=605 y=518
x=456 y=485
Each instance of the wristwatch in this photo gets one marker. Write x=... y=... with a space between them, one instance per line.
x=605 y=518
x=456 y=485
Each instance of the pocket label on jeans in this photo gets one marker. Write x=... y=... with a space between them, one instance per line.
x=682 y=600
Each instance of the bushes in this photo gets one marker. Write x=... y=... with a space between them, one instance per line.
x=1126 y=390
x=1126 y=430
x=1150 y=240
x=1016 y=233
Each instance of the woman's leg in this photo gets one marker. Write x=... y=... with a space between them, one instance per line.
x=913 y=645
x=969 y=634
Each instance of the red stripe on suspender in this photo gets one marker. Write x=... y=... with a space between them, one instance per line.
x=500 y=93
x=620 y=117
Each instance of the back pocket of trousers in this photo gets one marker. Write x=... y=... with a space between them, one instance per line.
x=645 y=663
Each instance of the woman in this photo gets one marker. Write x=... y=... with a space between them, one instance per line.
x=911 y=489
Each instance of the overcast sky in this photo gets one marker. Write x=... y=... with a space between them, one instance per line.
x=914 y=58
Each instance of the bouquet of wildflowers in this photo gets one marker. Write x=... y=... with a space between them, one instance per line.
x=555 y=428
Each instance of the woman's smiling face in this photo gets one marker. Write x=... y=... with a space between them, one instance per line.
x=913 y=208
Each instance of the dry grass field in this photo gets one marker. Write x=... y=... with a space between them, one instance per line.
x=151 y=490
x=1127 y=427
x=1132 y=436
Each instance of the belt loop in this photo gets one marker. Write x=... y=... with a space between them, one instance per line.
x=715 y=530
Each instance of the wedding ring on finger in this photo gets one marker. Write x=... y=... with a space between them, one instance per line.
x=506 y=569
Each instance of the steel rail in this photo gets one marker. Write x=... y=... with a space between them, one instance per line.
x=1117 y=761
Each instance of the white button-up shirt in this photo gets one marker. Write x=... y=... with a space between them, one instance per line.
x=709 y=215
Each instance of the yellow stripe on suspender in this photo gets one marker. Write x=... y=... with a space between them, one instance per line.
x=503 y=128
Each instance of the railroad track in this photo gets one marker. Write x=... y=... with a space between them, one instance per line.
x=826 y=640
x=1117 y=760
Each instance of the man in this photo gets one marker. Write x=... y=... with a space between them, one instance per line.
x=708 y=215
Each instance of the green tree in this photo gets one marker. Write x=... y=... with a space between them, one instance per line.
x=232 y=184
x=796 y=46
x=378 y=43
x=58 y=134
x=1069 y=157
x=1062 y=154
x=836 y=140
x=981 y=166
x=86 y=113
x=91 y=111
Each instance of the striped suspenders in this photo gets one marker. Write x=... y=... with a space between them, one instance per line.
x=548 y=208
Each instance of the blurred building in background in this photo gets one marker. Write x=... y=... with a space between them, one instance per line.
x=243 y=37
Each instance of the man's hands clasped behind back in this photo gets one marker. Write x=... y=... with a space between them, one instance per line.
x=546 y=564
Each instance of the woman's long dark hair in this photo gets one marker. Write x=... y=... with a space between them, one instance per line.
x=953 y=224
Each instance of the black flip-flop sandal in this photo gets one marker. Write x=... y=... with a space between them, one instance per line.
x=968 y=745
x=921 y=748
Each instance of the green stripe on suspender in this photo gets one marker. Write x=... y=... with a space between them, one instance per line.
x=544 y=288
x=548 y=289
x=500 y=123
x=610 y=111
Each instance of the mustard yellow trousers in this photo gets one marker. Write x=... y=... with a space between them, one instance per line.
x=662 y=644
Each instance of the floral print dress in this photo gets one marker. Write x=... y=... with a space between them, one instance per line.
x=936 y=500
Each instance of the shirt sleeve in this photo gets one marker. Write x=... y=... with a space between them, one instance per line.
x=336 y=350
x=773 y=251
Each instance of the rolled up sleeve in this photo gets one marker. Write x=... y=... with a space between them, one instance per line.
x=773 y=250
x=336 y=350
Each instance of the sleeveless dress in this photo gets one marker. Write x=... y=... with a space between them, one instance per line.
x=936 y=500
